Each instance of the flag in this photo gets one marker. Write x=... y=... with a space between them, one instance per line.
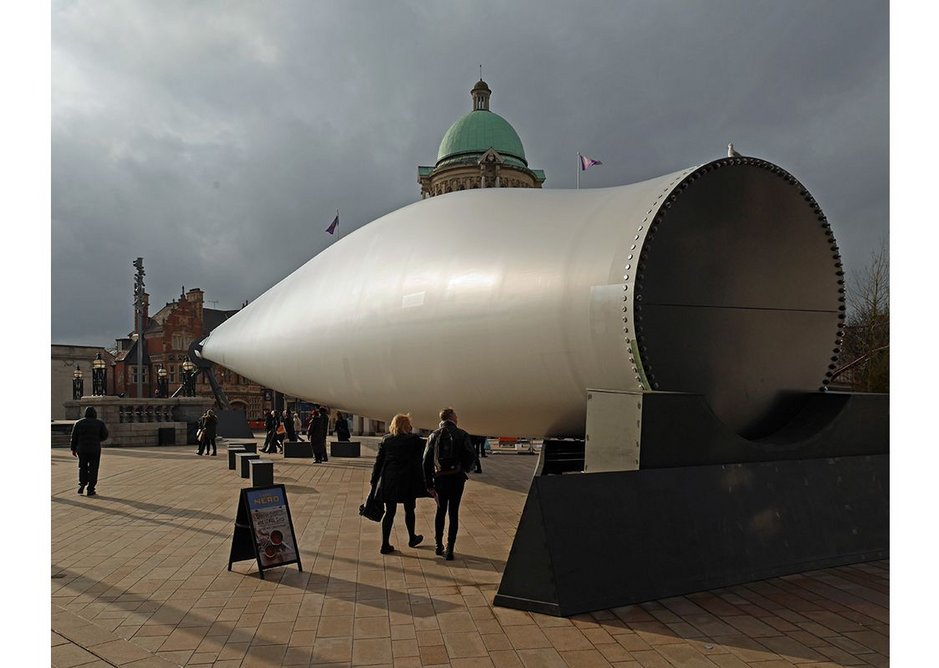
x=586 y=163
x=333 y=225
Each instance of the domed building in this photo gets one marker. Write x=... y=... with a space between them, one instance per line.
x=480 y=150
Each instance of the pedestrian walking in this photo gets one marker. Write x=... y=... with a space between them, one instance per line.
x=479 y=449
x=270 y=426
x=297 y=427
x=87 y=435
x=280 y=432
x=449 y=454
x=397 y=478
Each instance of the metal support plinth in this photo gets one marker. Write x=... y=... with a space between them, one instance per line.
x=595 y=541
x=706 y=507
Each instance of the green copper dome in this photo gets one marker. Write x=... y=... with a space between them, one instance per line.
x=476 y=133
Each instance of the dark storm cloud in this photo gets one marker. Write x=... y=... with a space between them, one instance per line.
x=217 y=140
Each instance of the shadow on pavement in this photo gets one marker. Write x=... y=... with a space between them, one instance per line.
x=94 y=505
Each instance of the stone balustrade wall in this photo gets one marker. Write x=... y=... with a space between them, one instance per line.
x=137 y=422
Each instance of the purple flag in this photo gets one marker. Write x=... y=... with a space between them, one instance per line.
x=333 y=225
x=586 y=163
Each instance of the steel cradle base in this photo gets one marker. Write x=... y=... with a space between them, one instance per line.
x=593 y=541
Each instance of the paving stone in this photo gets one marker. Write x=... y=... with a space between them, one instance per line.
x=584 y=658
x=464 y=645
x=434 y=655
x=150 y=568
x=70 y=655
x=541 y=658
x=684 y=656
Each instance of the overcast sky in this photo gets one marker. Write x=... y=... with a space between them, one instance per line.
x=217 y=139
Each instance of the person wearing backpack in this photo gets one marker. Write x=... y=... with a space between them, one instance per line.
x=448 y=456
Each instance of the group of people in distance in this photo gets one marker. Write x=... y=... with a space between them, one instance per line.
x=287 y=426
x=279 y=427
x=405 y=469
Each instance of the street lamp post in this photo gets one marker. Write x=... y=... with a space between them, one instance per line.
x=78 y=384
x=98 y=375
x=162 y=387
x=189 y=381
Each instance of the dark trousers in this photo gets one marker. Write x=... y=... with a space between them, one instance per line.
x=449 y=490
x=88 y=469
x=205 y=443
x=388 y=520
x=479 y=447
x=268 y=447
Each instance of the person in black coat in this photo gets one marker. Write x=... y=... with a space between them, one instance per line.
x=270 y=426
x=209 y=432
x=397 y=478
x=342 y=427
x=87 y=435
x=479 y=448
x=288 y=425
x=316 y=432
x=200 y=433
x=449 y=455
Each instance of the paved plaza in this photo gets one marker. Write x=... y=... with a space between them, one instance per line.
x=140 y=578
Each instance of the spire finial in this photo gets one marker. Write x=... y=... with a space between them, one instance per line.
x=480 y=72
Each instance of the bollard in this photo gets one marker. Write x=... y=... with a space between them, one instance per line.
x=298 y=449
x=262 y=472
x=232 y=451
x=345 y=449
x=245 y=458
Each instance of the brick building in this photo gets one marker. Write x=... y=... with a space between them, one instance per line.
x=167 y=335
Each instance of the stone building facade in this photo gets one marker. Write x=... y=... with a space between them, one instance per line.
x=480 y=150
x=65 y=359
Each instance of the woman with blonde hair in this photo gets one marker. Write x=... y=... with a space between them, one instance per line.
x=397 y=477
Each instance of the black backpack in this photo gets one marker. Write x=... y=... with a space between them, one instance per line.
x=447 y=454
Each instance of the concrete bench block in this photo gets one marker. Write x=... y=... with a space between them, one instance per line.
x=345 y=449
x=249 y=446
x=245 y=458
x=298 y=449
x=232 y=451
x=262 y=472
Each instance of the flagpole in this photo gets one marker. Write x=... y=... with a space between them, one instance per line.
x=578 y=171
x=338 y=233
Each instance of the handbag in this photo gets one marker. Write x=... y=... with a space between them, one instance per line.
x=373 y=509
x=199 y=435
x=281 y=430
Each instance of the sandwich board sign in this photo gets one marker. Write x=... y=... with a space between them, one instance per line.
x=264 y=529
